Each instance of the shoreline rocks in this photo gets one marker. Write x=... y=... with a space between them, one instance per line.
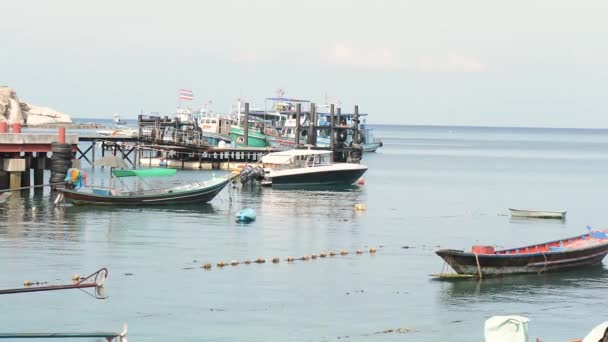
x=12 y=110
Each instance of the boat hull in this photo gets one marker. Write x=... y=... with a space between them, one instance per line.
x=201 y=195
x=371 y=147
x=316 y=179
x=255 y=139
x=538 y=214
x=497 y=264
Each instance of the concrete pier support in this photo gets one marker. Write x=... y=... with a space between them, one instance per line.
x=14 y=167
x=25 y=177
x=4 y=180
x=38 y=165
x=15 y=180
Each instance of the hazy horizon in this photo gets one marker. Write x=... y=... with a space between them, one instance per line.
x=468 y=63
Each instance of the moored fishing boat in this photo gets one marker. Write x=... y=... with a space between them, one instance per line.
x=583 y=250
x=537 y=214
x=199 y=192
x=254 y=138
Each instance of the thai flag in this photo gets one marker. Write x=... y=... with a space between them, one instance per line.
x=186 y=94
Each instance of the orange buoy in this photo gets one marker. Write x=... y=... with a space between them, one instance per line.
x=361 y=181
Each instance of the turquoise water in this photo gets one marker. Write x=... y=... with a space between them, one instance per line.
x=427 y=188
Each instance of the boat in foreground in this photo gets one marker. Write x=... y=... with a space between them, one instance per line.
x=537 y=214
x=199 y=192
x=308 y=168
x=583 y=250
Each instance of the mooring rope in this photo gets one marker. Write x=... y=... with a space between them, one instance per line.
x=478 y=266
x=545 y=265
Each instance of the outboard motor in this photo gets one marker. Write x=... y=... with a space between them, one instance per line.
x=245 y=175
x=258 y=173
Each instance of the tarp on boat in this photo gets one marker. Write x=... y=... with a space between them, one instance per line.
x=152 y=172
x=506 y=329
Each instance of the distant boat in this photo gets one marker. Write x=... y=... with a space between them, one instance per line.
x=116 y=131
x=538 y=214
x=579 y=251
x=117 y=121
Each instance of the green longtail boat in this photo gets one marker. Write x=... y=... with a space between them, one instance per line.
x=256 y=139
x=199 y=192
x=152 y=172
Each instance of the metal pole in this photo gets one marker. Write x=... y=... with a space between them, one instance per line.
x=331 y=127
x=311 y=124
x=298 y=113
x=246 y=127
x=356 y=126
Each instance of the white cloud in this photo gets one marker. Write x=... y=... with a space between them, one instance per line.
x=384 y=58
x=453 y=63
x=251 y=57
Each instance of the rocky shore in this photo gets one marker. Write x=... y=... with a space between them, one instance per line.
x=12 y=110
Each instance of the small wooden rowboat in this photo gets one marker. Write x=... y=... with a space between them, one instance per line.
x=574 y=252
x=537 y=214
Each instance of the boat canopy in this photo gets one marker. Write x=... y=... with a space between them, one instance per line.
x=285 y=99
x=285 y=157
x=341 y=114
x=152 y=172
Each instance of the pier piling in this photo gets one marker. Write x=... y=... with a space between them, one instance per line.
x=311 y=136
x=356 y=125
x=61 y=135
x=246 y=126
x=298 y=128
x=332 y=125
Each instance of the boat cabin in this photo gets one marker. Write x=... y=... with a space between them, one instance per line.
x=293 y=159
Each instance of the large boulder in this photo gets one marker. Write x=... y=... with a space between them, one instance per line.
x=44 y=116
x=7 y=92
x=14 y=111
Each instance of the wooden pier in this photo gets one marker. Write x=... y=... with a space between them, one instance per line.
x=183 y=148
x=20 y=153
x=145 y=152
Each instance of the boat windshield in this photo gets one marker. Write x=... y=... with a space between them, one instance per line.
x=299 y=160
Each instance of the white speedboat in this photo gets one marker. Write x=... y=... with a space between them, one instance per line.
x=308 y=168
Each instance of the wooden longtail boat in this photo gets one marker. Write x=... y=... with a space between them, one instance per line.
x=538 y=214
x=191 y=193
x=574 y=252
x=108 y=336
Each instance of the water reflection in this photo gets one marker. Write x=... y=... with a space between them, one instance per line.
x=34 y=215
x=528 y=287
x=536 y=221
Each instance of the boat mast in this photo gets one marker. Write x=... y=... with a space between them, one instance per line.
x=238 y=113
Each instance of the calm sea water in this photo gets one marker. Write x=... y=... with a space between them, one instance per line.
x=427 y=188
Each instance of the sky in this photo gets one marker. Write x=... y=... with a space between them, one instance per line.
x=534 y=63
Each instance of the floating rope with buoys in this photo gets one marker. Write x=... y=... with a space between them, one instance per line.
x=289 y=259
